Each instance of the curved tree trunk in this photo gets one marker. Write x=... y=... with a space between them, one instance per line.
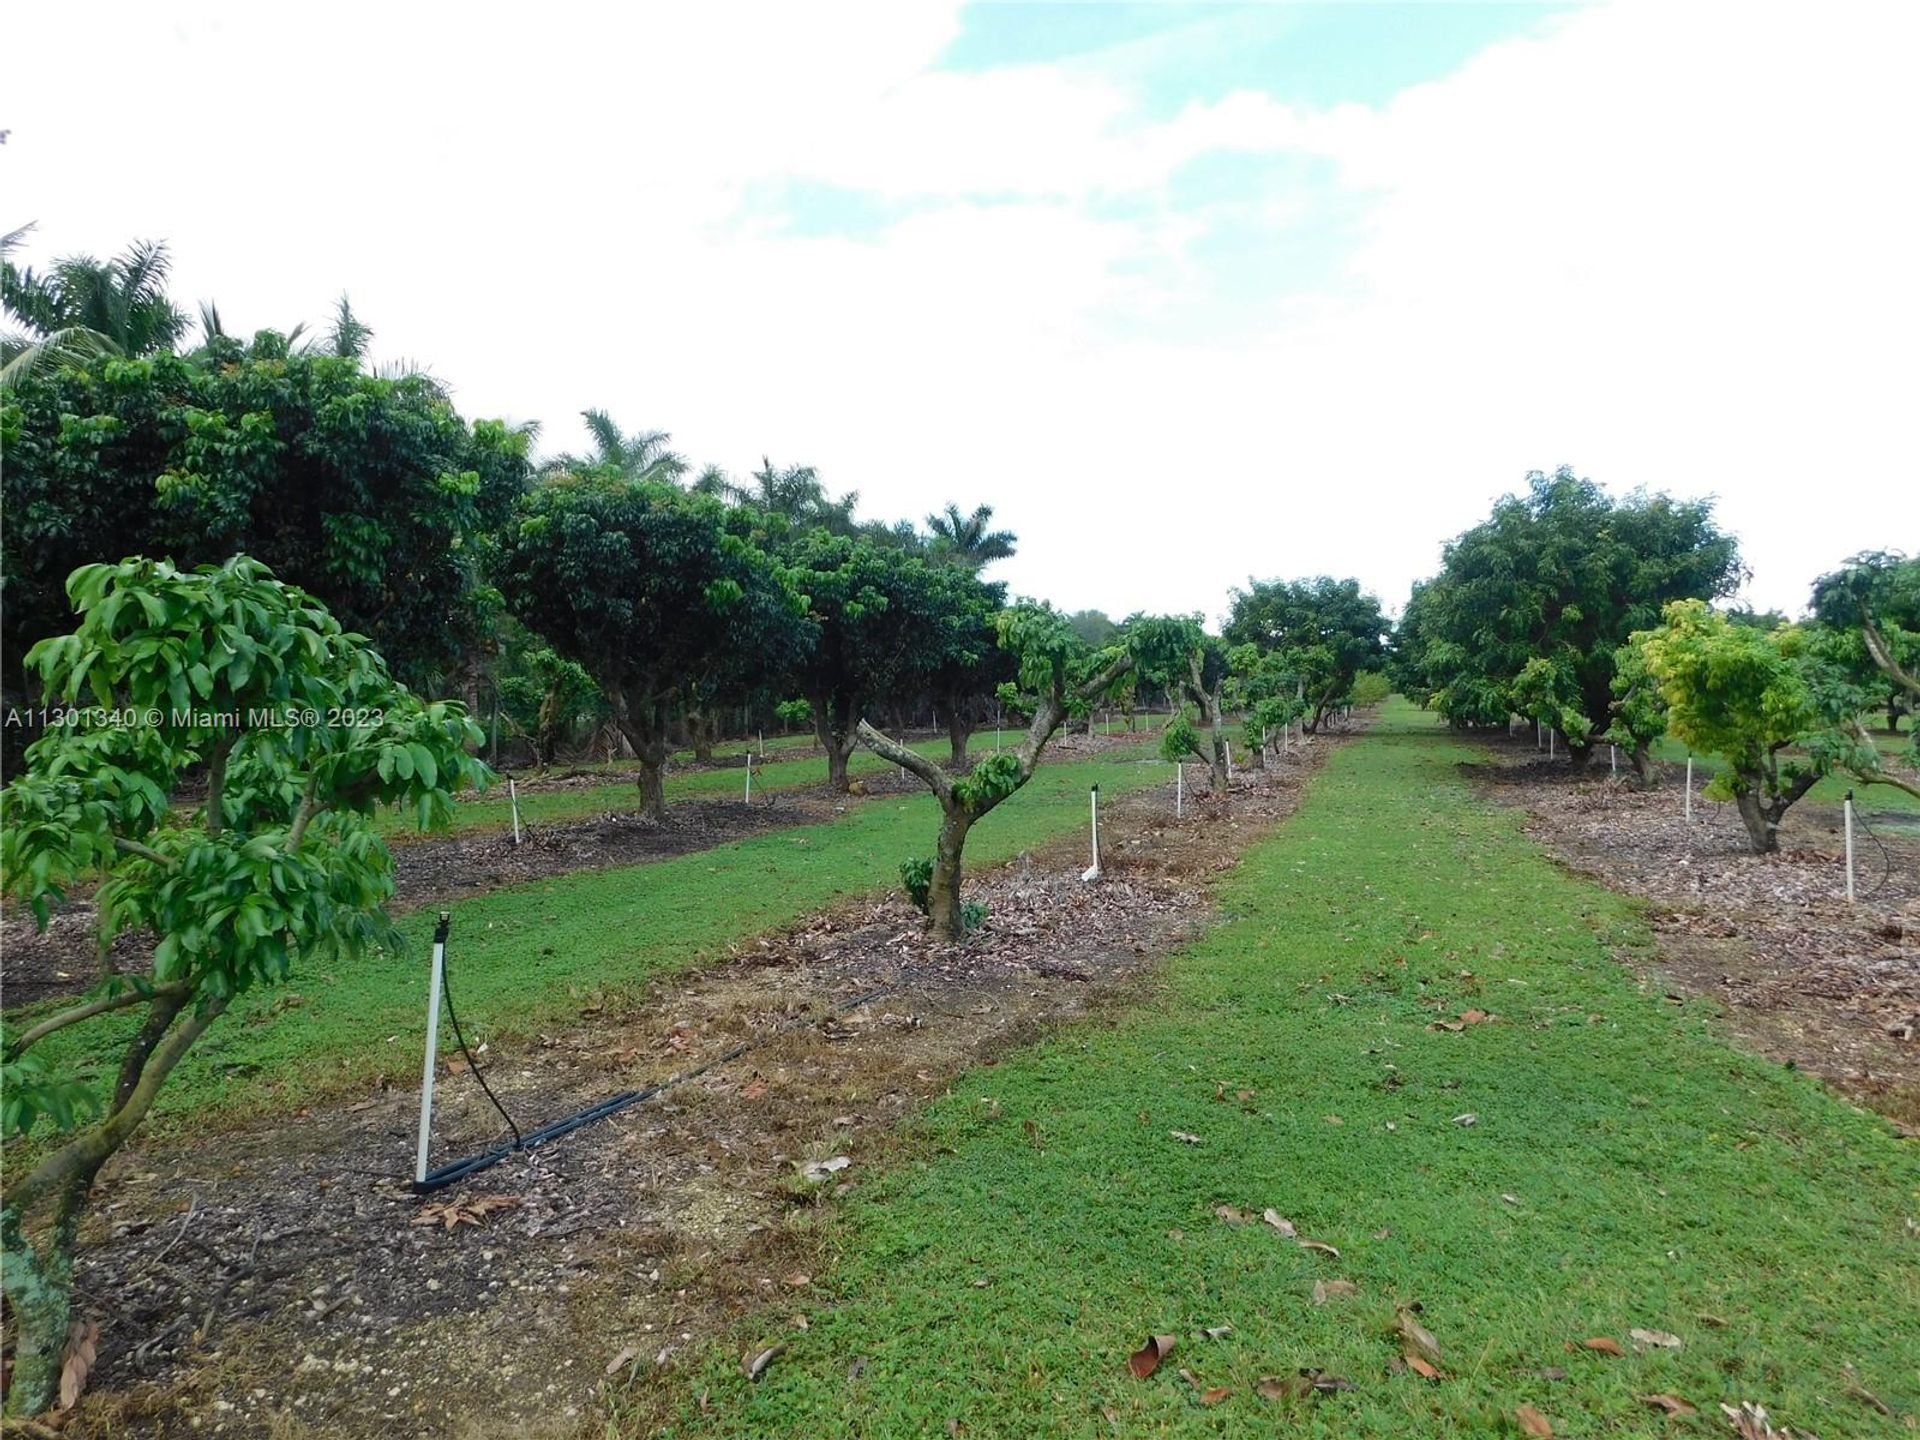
x=1643 y=766
x=833 y=727
x=642 y=723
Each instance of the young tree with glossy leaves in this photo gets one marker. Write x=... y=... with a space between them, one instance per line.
x=1324 y=631
x=653 y=592
x=300 y=733
x=1562 y=575
x=1176 y=653
x=1058 y=675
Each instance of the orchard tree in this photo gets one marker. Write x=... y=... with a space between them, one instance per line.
x=1175 y=652
x=886 y=623
x=1058 y=675
x=1563 y=575
x=1269 y=695
x=1779 y=714
x=1870 y=613
x=653 y=592
x=228 y=677
x=1324 y=631
x=373 y=494
x=1639 y=709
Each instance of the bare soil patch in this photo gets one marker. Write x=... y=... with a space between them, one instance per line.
x=272 y=1280
x=1804 y=977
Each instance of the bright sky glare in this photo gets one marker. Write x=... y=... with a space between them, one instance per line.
x=1188 y=293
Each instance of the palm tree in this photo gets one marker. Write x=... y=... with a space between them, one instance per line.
x=83 y=308
x=966 y=540
x=796 y=493
x=643 y=455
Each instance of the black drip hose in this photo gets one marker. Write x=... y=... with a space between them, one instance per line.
x=600 y=1109
x=446 y=989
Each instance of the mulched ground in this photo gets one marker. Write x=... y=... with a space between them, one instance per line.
x=1805 y=977
x=63 y=960
x=273 y=1280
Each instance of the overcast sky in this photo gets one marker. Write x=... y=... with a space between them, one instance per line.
x=1187 y=293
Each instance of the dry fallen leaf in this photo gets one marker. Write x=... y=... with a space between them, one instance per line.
x=1533 y=1422
x=1662 y=1338
x=1144 y=1361
x=1319 y=1245
x=469 y=1210
x=1474 y=1017
x=1231 y=1214
x=1184 y=1137
x=755 y=1366
x=1672 y=1404
x=1215 y=1395
x=1420 y=1341
x=1716 y=1321
x=627 y=1353
x=1469 y=1118
x=1279 y=1387
x=1325 y=1290
x=83 y=1345
x=1279 y=1222
x=754 y=1089
x=1603 y=1345
x=1453 y=1025
x=1421 y=1367
x=798 y=1280
x=1217 y=1332
x=820 y=1170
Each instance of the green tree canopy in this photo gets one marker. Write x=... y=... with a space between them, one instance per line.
x=371 y=493
x=1561 y=576
x=85 y=309
x=1324 y=631
x=659 y=595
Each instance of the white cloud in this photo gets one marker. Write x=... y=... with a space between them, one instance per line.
x=1670 y=244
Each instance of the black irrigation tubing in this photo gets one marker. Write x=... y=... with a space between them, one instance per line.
x=460 y=1169
x=1886 y=856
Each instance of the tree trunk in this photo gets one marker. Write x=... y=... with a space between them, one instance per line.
x=642 y=723
x=1579 y=756
x=700 y=730
x=957 y=730
x=833 y=728
x=653 y=782
x=1216 y=724
x=943 y=895
x=1643 y=766
x=1761 y=832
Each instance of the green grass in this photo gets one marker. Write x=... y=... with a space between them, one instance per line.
x=550 y=805
x=1656 y=1175
x=522 y=956
x=1830 y=790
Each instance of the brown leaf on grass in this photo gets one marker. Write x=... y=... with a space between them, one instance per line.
x=83 y=1347
x=1279 y=1222
x=1454 y=1026
x=1533 y=1422
x=1474 y=1017
x=1144 y=1361
x=754 y=1366
x=1602 y=1344
x=1333 y=1119
x=627 y=1354
x=1672 y=1404
x=1419 y=1339
x=1243 y=1095
x=798 y=1280
x=1325 y=1384
x=470 y=1210
x=1718 y=1322
x=1665 y=1339
x=754 y=1089
x=1280 y=1387
x=1750 y=1422
x=1552 y=1372
x=1215 y=1395
x=1320 y=1245
x=1232 y=1214
x=1325 y=1290
x=1421 y=1367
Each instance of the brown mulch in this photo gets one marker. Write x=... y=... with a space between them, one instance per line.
x=1804 y=977
x=270 y=1280
x=63 y=960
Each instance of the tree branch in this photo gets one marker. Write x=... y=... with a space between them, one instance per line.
x=217 y=783
x=92 y=1147
x=887 y=748
x=304 y=815
x=1883 y=655
x=19 y=1046
x=134 y=847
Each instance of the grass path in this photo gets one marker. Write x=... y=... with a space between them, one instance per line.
x=526 y=955
x=1626 y=1168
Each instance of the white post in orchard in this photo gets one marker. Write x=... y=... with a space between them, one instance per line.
x=1179 y=790
x=1846 y=810
x=513 y=800
x=1689 y=789
x=1093 y=801
x=1229 y=745
x=749 y=796
x=1613 y=759
x=1549 y=742
x=434 y=984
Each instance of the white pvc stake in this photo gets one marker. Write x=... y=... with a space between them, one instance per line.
x=1179 y=789
x=1549 y=742
x=749 y=777
x=513 y=799
x=1689 y=789
x=1613 y=758
x=433 y=1046
x=1229 y=745
x=1093 y=802
x=1846 y=809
